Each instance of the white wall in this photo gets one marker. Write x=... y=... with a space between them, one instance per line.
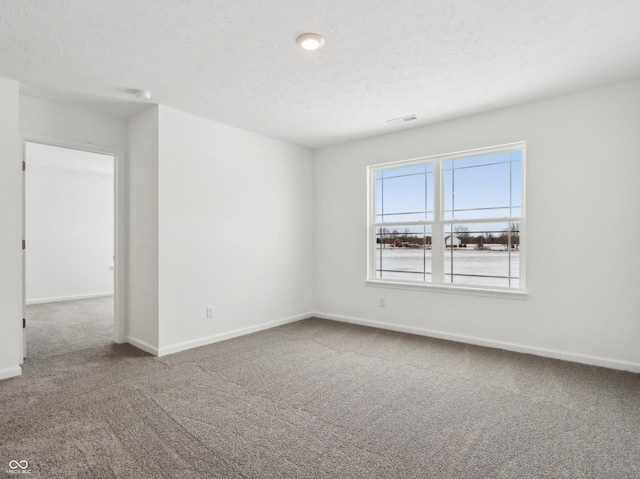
x=142 y=313
x=10 y=232
x=41 y=118
x=235 y=231
x=69 y=224
x=583 y=270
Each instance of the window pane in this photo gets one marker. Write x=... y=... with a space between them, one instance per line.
x=378 y=196
x=482 y=254
x=516 y=185
x=482 y=187
x=403 y=253
x=404 y=171
x=430 y=193
x=405 y=194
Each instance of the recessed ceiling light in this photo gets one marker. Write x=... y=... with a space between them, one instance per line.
x=310 y=41
x=143 y=94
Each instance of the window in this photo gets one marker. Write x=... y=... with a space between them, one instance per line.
x=454 y=221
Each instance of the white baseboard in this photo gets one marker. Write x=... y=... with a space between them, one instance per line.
x=10 y=372
x=138 y=343
x=519 y=348
x=68 y=298
x=175 y=348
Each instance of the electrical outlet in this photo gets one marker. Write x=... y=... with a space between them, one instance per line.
x=382 y=303
x=209 y=311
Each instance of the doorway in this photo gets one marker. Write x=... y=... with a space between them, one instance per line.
x=70 y=255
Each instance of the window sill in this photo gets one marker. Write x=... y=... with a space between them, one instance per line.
x=465 y=290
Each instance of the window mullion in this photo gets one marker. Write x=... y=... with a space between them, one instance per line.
x=437 y=231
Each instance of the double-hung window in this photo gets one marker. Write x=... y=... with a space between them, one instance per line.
x=450 y=221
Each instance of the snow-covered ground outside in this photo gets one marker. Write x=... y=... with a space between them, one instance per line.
x=411 y=264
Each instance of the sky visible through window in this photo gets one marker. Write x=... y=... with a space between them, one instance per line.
x=474 y=188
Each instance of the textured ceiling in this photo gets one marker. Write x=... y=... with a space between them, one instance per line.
x=237 y=62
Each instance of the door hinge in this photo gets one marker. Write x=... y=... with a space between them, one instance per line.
x=24 y=165
x=24 y=322
x=24 y=244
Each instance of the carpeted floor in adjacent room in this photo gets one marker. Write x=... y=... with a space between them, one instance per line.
x=320 y=399
x=65 y=326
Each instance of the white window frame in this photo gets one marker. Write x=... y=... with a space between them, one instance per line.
x=438 y=227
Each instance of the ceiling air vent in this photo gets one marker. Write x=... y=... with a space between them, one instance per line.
x=404 y=119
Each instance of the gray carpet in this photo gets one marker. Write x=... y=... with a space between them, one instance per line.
x=65 y=326
x=318 y=399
